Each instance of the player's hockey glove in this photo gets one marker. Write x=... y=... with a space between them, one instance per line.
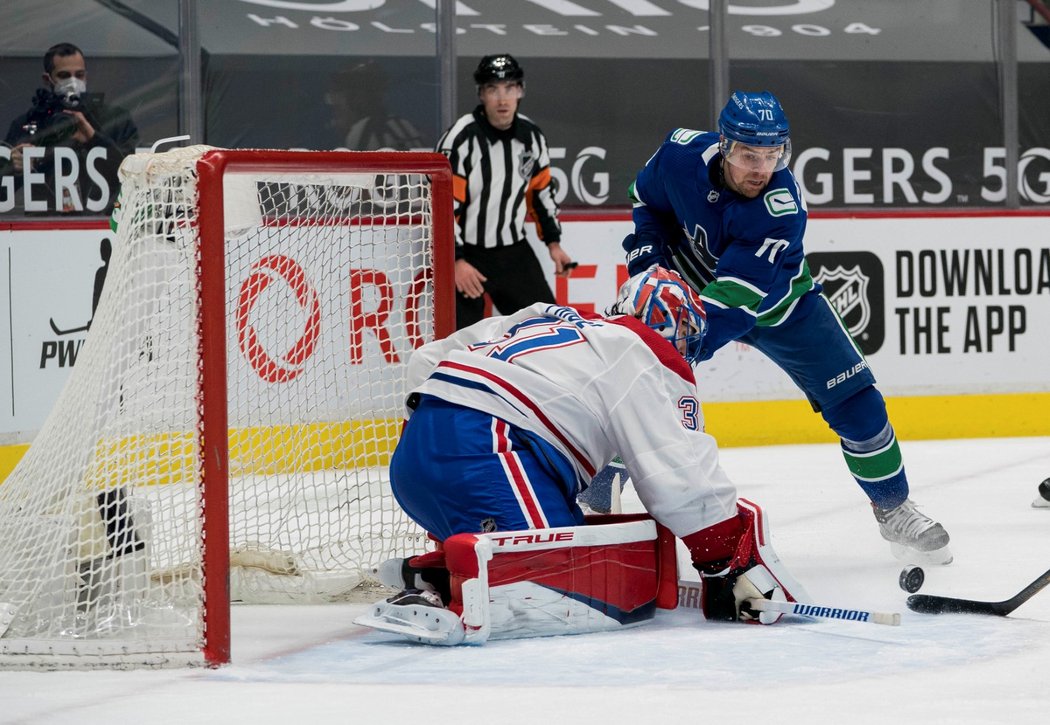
x=642 y=256
x=737 y=563
x=724 y=595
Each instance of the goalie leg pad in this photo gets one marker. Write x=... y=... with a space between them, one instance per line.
x=571 y=580
x=542 y=582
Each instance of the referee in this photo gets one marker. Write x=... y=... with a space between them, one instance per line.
x=501 y=169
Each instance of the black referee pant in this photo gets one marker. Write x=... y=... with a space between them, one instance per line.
x=515 y=280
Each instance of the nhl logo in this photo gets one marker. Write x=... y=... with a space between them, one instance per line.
x=526 y=164
x=712 y=196
x=847 y=290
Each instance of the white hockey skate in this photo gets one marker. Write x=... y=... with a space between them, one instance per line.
x=914 y=538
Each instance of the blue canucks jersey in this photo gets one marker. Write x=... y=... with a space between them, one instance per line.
x=744 y=256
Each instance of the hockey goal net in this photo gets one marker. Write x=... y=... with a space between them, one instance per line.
x=225 y=433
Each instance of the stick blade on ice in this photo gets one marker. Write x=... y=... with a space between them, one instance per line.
x=933 y=604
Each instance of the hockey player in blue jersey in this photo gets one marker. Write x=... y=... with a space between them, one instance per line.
x=724 y=210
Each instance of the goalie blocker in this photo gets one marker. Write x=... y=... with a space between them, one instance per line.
x=614 y=573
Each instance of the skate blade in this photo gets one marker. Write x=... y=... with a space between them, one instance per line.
x=429 y=625
x=908 y=555
x=1041 y=503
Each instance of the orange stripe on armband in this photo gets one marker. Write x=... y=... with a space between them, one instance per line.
x=459 y=188
x=541 y=180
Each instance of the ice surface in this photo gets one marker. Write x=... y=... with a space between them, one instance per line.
x=310 y=664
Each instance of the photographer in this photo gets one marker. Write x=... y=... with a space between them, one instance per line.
x=66 y=150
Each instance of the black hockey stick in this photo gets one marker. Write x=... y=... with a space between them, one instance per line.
x=933 y=604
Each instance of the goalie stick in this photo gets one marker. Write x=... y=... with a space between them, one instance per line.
x=814 y=610
x=689 y=596
x=933 y=604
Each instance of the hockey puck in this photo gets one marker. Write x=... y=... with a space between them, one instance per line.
x=911 y=579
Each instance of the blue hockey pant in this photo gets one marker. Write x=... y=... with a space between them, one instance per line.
x=816 y=351
x=457 y=470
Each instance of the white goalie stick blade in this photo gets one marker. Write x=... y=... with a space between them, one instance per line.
x=815 y=610
x=689 y=597
x=417 y=622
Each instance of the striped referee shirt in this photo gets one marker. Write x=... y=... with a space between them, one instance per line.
x=497 y=177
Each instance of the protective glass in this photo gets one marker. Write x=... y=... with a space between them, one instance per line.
x=756 y=158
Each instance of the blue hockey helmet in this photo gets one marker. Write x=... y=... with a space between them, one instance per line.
x=756 y=121
x=663 y=301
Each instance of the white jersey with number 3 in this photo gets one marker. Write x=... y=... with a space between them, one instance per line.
x=594 y=388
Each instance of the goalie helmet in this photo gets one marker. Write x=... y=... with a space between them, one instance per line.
x=754 y=120
x=662 y=300
x=500 y=67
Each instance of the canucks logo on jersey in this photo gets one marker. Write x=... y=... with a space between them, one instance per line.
x=780 y=202
x=684 y=135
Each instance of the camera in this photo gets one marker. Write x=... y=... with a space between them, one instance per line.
x=46 y=124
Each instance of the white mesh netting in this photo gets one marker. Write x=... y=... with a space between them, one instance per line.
x=327 y=288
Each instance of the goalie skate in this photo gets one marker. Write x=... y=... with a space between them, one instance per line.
x=417 y=615
x=914 y=538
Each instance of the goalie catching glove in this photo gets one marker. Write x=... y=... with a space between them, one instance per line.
x=737 y=563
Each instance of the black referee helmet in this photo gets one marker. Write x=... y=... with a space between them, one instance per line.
x=501 y=67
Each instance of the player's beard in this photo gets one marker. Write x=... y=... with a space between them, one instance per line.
x=750 y=185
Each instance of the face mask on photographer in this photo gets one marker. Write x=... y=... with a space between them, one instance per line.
x=71 y=85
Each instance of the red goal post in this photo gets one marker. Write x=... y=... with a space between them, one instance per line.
x=226 y=430
x=212 y=168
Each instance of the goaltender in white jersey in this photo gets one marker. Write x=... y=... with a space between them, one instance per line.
x=589 y=388
x=510 y=418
